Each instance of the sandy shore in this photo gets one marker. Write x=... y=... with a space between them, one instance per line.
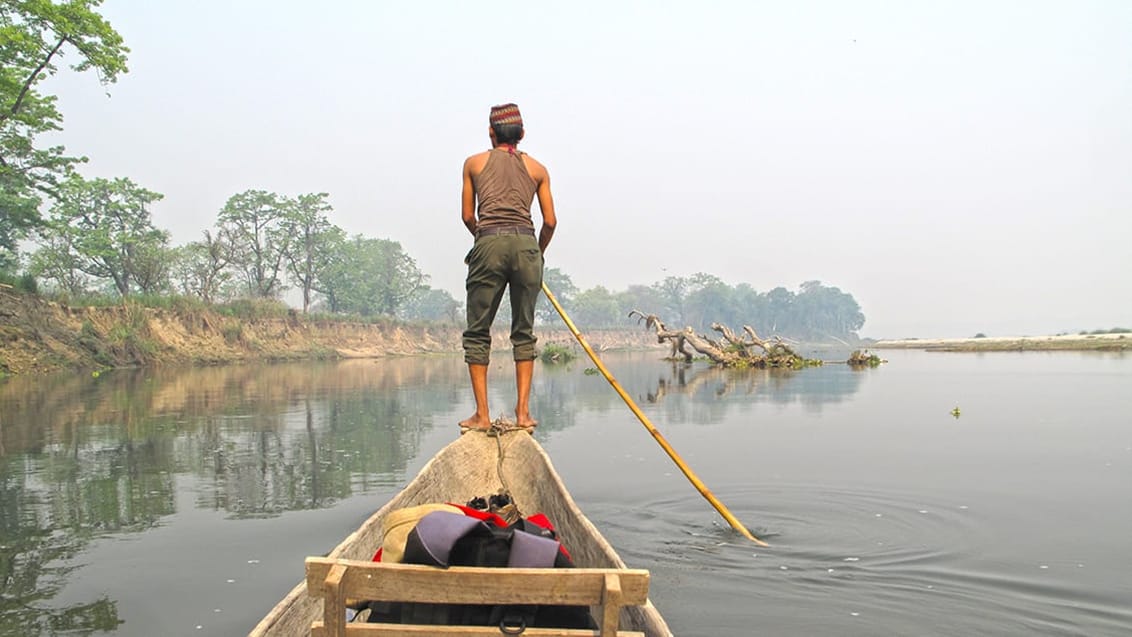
x=1106 y=342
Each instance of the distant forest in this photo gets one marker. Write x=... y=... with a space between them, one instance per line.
x=86 y=240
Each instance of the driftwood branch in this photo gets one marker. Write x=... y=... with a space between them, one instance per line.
x=732 y=350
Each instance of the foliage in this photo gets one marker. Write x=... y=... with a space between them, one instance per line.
x=431 y=304
x=863 y=358
x=817 y=312
x=595 y=306
x=201 y=268
x=34 y=36
x=555 y=354
x=313 y=239
x=102 y=229
x=252 y=309
x=252 y=223
x=1115 y=330
x=369 y=277
x=563 y=289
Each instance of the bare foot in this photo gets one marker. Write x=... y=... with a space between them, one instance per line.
x=526 y=422
x=475 y=423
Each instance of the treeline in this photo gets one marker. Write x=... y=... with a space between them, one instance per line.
x=96 y=237
x=814 y=312
x=99 y=238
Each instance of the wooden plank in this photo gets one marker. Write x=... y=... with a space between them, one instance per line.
x=334 y=606
x=476 y=585
x=611 y=604
x=411 y=630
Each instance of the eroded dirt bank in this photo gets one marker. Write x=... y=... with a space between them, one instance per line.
x=41 y=336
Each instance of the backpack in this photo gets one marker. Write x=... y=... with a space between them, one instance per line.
x=478 y=538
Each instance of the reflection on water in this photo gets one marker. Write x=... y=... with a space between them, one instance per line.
x=86 y=456
x=783 y=386
x=191 y=496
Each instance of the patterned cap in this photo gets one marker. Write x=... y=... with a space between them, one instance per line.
x=505 y=114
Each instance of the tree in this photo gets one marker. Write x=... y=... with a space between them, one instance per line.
x=252 y=223
x=312 y=237
x=671 y=293
x=34 y=36
x=105 y=227
x=431 y=304
x=563 y=289
x=826 y=312
x=707 y=299
x=369 y=277
x=635 y=296
x=55 y=262
x=201 y=267
x=779 y=309
x=595 y=307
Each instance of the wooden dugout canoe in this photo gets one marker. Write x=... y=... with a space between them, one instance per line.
x=468 y=468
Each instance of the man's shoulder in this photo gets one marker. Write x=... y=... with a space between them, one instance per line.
x=476 y=162
x=534 y=167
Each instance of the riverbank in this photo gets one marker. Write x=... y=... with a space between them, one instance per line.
x=1060 y=342
x=38 y=336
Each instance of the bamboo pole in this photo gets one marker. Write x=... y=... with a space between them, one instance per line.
x=688 y=473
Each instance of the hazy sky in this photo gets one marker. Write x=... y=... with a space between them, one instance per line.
x=958 y=167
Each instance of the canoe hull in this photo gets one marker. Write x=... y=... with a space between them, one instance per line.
x=467 y=468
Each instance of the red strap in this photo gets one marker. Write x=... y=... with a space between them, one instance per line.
x=541 y=520
x=486 y=516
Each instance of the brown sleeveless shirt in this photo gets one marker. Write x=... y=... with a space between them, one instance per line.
x=504 y=191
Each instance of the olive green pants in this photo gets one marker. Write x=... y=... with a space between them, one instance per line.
x=497 y=262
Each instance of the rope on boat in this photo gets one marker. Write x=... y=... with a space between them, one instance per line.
x=499 y=428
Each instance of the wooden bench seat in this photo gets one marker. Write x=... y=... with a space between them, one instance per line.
x=335 y=581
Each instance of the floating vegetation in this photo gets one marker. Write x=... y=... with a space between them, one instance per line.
x=555 y=354
x=862 y=358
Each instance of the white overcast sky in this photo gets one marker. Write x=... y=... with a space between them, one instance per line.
x=958 y=167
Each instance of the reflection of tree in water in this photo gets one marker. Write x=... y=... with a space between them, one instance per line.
x=52 y=507
x=321 y=452
x=716 y=388
x=81 y=457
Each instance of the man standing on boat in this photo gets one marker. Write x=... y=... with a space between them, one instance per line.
x=499 y=187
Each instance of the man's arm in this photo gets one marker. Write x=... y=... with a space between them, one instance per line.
x=468 y=199
x=546 y=206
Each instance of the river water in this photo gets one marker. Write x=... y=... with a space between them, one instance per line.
x=183 y=501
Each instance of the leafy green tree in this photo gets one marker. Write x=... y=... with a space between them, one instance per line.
x=431 y=304
x=105 y=228
x=779 y=310
x=671 y=294
x=34 y=36
x=642 y=298
x=707 y=300
x=201 y=267
x=595 y=307
x=312 y=238
x=826 y=312
x=369 y=277
x=563 y=289
x=55 y=263
x=748 y=307
x=252 y=223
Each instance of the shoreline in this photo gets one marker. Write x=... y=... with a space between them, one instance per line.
x=1060 y=342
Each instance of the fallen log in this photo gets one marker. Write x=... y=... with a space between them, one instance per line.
x=732 y=350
